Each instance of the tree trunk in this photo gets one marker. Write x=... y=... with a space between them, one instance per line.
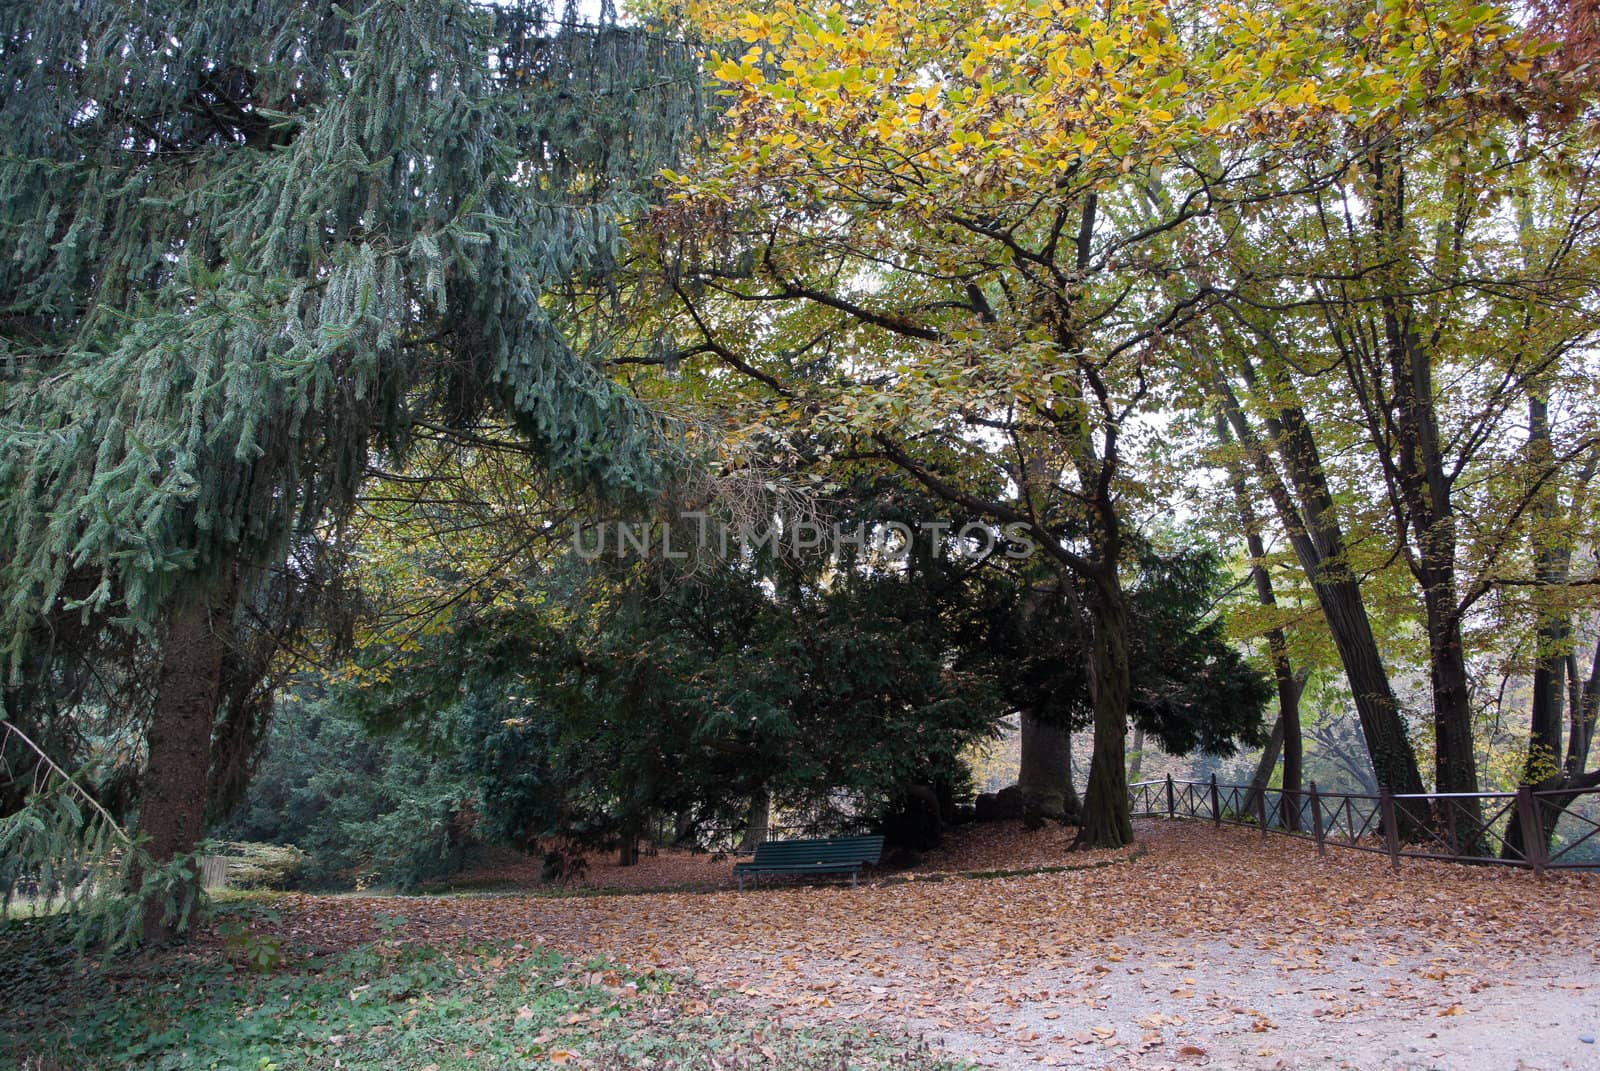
x=1286 y=740
x=628 y=849
x=756 y=821
x=1309 y=518
x=1107 y=822
x=1543 y=756
x=1405 y=429
x=1286 y=731
x=1423 y=487
x=1455 y=761
x=1393 y=760
x=1552 y=558
x=1266 y=766
x=173 y=801
x=1045 y=775
x=1571 y=780
x=683 y=828
x=1136 y=760
x=1289 y=687
x=1456 y=764
x=1585 y=707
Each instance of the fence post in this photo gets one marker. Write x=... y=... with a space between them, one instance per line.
x=1316 y=820
x=1172 y=803
x=1391 y=832
x=1533 y=847
x=1216 y=805
x=1261 y=809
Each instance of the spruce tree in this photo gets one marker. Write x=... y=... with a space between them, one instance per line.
x=246 y=250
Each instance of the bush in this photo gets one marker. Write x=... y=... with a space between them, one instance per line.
x=254 y=865
x=359 y=810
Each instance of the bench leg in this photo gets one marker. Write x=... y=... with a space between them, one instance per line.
x=852 y=879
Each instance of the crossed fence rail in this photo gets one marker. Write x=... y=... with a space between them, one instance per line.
x=1555 y=830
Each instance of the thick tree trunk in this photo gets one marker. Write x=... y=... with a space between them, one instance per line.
x=1550 y=693
x=1393 y=760
x=173 y=801
x=1420 y=482
x=1405 y=426
x=1456 y=764
x=1455 y=760
x=1045 y=774
x=1549 y=701
x=1585 y=709
x=628 y=848
x=756 y=821
x=1286 y=742
x=1107 y=822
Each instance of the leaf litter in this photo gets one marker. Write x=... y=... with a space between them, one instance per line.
x=1207 y=947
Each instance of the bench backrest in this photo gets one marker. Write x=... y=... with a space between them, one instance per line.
x=822 y=850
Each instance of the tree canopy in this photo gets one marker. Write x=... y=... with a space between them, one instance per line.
x=1176 y=342
x=252 y=254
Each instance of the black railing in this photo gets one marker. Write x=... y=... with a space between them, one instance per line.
x=1542 y=830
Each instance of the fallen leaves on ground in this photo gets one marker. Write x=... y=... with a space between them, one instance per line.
x=987 y=961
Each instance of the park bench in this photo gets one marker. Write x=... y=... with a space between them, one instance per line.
x=827 y=855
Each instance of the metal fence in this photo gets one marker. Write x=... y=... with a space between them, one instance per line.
x=1541 y=830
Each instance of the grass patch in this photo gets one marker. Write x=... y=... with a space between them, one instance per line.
x=252 y=1003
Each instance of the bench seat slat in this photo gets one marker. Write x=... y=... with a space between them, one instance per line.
x=797 y=867
x=866 y=854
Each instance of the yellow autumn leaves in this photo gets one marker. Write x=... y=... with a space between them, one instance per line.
x=1011 y=94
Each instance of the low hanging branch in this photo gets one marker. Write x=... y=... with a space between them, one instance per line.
x=63 y=851
x=53 y=768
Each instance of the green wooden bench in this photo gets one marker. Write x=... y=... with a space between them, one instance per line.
x=826 y=855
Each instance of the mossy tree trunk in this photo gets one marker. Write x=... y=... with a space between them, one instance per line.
x=1045 y=773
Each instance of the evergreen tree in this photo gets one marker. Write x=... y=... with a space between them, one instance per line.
x=248 y=249
x=606 y=695
x=1192 y=689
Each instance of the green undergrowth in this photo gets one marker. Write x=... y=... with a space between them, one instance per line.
x=249 y=1001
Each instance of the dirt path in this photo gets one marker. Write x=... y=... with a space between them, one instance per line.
x=1212 y=948
x=1212 y=1004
